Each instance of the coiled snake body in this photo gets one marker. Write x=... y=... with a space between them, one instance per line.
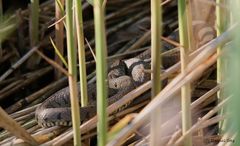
x=123 y=76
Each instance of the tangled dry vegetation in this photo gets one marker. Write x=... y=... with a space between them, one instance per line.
x=29 y=75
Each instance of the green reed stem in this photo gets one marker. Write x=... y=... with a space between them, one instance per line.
x=221 y=25
x=81 y=52
x=156 y=31
x=185 y=41
x=72 y=63
x=59 y=35
x=34 y=22
x=34 y=60
x=101 y=71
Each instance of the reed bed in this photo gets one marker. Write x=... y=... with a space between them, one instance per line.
x=103 y=31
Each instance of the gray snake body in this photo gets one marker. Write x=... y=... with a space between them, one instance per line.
x=123 y=76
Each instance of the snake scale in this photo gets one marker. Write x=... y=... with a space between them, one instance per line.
x=123 y=76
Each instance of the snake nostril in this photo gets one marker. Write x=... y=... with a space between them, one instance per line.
x=115 y=85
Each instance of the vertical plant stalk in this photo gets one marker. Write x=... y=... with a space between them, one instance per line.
x=101 y=71
x=156 y=31
x=59 y=35
x=221 y=27
x=184 y=36
x=72 y=62
x=81 y=52
x=34 y=32
x=34 y=25
x=233 y=74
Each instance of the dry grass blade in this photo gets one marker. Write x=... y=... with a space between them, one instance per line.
x=176 y=44
x=203 y=119
x=212 y=121
x=41 y=138
x=5 y=92
x=18 y=63
x=9 y=124
x=24 y=111
x=58 y=21
x=141 y=41
x=44 y=91
x=174 y=137
x=53 y=63
x=89 y=46
x=117 y=127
